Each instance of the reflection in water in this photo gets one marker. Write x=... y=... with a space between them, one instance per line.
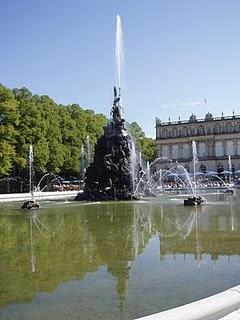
x=43 y=229
x=100 y=244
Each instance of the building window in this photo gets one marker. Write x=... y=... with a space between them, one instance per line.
x=209 y=130
x=186 y=151
x=175 y=151
x=165 y=151
x=201 y=130
x=238 y=147
x=193 y=131
x=202 y=149
x=216 y=129
x=184 y=132
x=229 y=128
x=219 y=149
x=229 y=148
x=175 y=132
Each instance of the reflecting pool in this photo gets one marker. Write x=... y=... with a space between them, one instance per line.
x=116 y=260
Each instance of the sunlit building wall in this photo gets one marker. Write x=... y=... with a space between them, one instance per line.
x=216 y=139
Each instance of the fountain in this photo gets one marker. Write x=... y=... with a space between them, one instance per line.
x=112 y=173
x=194 y=200
x=109 y=176
x=46 y=180
x=154 y=183
x=30 y=204
x=88 y=146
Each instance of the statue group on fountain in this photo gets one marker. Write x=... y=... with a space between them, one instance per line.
x=116 y=110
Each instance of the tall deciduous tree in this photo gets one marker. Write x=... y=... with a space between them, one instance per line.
x=9 y=119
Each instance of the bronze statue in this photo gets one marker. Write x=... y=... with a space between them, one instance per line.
x=116 y=110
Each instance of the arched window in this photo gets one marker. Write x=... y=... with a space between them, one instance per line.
x=218 y=149
x=175 y=132
x=186 y=151
x=175 y=151
x=193 y=131
x=165 y=151
x=202 y=149
x=209 y=130
x=238 y=147
x=216 y=128
x=229 y=128
x=229 y=148
x=185 y=131
x=164 y=133
x=201 y=130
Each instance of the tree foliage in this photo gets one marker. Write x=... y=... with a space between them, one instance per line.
x=57 y=133
x=146 y=145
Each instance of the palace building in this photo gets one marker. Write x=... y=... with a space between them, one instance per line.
x=217 y=141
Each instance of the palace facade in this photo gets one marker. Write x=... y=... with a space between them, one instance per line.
x=217 y=140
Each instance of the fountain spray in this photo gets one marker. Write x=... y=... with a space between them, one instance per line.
x=119 y=51
x=230 y=168
x=195 y=159
x=31 y=171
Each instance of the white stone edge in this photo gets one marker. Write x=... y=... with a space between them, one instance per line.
x=54 y=195
x=224 y=306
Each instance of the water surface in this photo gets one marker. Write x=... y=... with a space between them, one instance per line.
x=116 y=260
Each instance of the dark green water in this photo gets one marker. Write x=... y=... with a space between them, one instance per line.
x=117 y=260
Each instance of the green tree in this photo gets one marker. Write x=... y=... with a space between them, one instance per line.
x=148 y=149
x=32 y=129
x=146 y=145
x=53 y=135
x=9 y=119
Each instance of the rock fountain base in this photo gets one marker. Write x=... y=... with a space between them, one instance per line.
x=30 y=205
x=194 y=201
x=109 y=177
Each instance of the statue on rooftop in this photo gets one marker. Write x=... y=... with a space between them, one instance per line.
x=193 y=118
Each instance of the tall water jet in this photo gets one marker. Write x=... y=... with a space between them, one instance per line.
x=88 y=146
x=133 y=164
x=192 y=201
x=140 y=159
x=31 y=204
x=148 y=171
x=31 y=191
x=119 y=52
x=82 y=162
x=195 y=159
x=230 y=168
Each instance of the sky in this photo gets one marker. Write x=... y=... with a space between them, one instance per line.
x=176 y=54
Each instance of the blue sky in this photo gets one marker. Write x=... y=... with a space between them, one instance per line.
x=176 y=53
